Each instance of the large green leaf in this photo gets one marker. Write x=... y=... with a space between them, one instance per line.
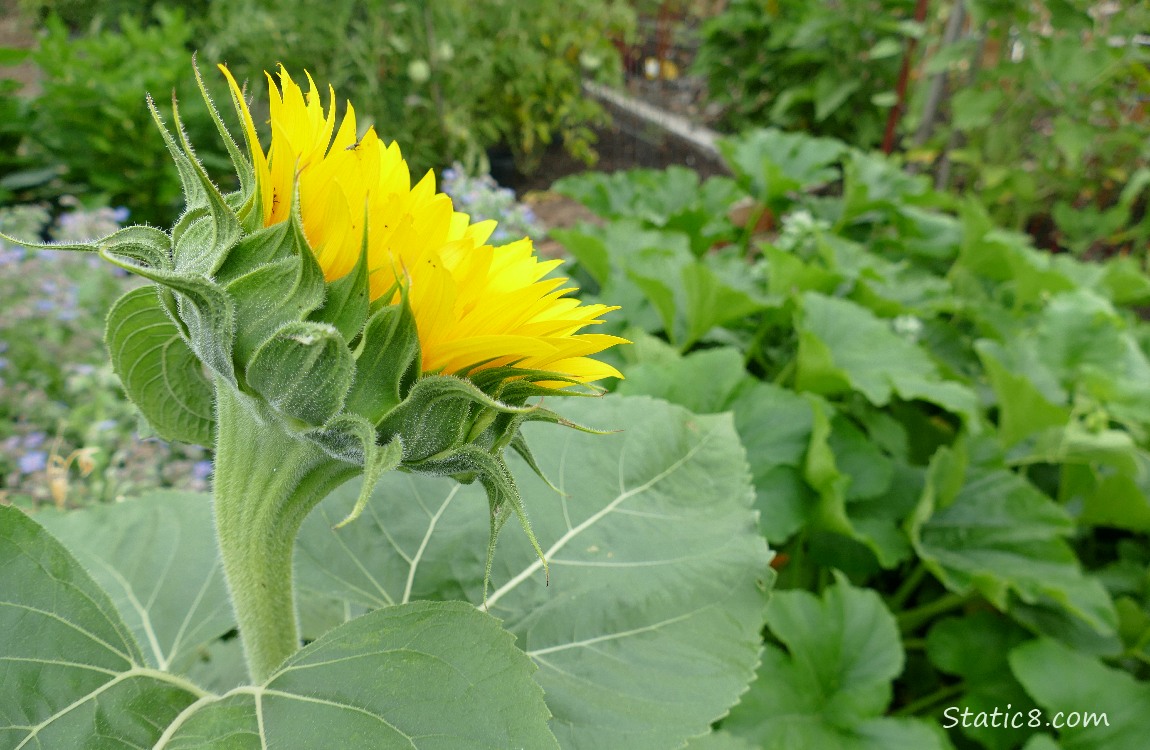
x=426 y=675
x=774 y=424
x=719 y=741
x=999 y=535
x=71 y=675
x=831 y=684
x=975 y=648
x=771 y=163
x=1071 y=685
x=156 y=556
x=158 y=370
x=703 y=381
x=843 y=347
x=649 y=628
x=670 y=198
x=857 y=495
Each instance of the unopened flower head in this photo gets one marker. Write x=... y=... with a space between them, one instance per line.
x=475 y=306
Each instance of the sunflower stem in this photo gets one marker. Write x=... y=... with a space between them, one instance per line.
x=266 y=481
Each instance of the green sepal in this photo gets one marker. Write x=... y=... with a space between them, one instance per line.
x=73 y=247
x=264 y=246
x=242 y=166
x=348 y=436
x=518 y=443
x=148 y=244
x=503 y=496
x=190 y=218
x=546 y=415
x=193 y=190
x=387 y=365
x=206 y=311
x=157 y=369
x=437 y=416
x=191 y=251
x=251 y=214
x=348 y=298
x=514 y=385
x=275 y=263
x=304 y=371
x=292 y=280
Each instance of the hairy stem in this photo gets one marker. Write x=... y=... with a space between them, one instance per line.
x=266 y=481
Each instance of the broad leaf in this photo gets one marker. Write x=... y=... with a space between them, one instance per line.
x=974 y=648
x=774 y=424
x=719 y=741
x=1003 y=537
x=426 y=675
x=831 y=684
x=844 y=347
x=771 y=163
x=158 y=370
x=68 y=663
x=654 y=527
x=1071 y=686
x=156 y=556
x=702 y=381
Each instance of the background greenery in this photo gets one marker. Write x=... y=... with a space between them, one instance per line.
x=936 y=362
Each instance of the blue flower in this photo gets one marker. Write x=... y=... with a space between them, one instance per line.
x=32 y=462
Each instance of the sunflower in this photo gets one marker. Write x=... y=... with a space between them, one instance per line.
x=475 y=306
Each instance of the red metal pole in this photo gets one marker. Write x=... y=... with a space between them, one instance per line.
x=900 y=88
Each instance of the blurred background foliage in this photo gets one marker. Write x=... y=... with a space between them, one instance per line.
x=450 y=80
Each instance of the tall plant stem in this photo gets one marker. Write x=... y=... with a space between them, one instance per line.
x=266 y=481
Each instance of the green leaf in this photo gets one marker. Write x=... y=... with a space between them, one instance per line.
x=669 y=198
x=843 y=467
x=975 y=648
x=719 y=741
x=1065 y=681
x=710 y=302
x=156 y=556
x=886 y=47
x=974 y=108
x=702 y=381
x=438 y=415
x=843 y=346
x=589 y=250
x=771 y=163
x=1118 y=500
x=655 y=526
x=775 y=425
x=657 y=267
x=831 y=92
x=159 y=372
x=145 y=245
x=72 y=673
x=421 y=675
x=1024 y=409
x=1002 y=537
x=304 y=371
x=831 y=684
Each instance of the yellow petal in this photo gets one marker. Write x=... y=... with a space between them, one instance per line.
x=475 y=306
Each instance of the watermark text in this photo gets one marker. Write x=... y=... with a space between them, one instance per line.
x=955 y=716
